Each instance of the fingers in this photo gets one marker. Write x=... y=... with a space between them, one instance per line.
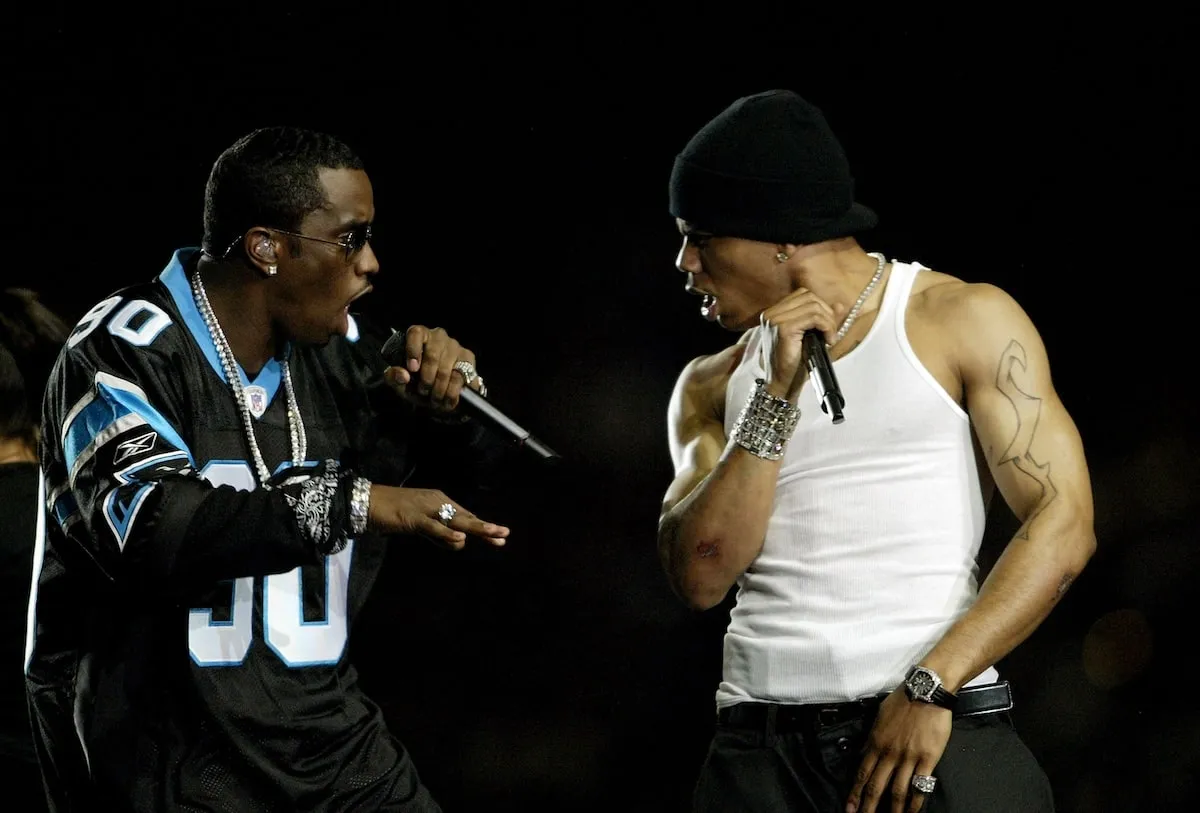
x=917 y=799
x=801 y=313
x=901 y=785
x=433 y=370
x=468 y=523
x=877 y=783
x=799 y=298
x=431 y=514
x=437 y=531
x=858 y=797
x=414 y=346
x=397 y=376
x=458 y=379
x=462 y=524
x=436 y=369
x=887 y=784
x=432 y=354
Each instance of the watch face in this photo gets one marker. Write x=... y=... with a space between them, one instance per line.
x=921 y=684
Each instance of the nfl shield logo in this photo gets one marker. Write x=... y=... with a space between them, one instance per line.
x=256 y=397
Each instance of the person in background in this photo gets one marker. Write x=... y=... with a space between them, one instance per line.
x=30 y=338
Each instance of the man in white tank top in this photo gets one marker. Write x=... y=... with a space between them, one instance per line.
x=859 y=665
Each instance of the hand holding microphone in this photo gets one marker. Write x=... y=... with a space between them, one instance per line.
x=423 y=361
x=442 y=371
x=795 y=331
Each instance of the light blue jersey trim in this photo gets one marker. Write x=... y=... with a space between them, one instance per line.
x=118 y=406
x=175 y=279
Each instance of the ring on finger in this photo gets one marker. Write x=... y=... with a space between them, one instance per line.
x=446 y=513
x=923 y=783
x=467 y=369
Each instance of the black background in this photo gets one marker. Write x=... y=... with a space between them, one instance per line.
x=520 y=160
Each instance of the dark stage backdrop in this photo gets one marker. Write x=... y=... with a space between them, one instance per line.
x=520 y=163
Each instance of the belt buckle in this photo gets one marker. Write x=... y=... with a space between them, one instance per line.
x=829 y=716
x=851 y=710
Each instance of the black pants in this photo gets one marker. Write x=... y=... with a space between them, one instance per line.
x=985 y=769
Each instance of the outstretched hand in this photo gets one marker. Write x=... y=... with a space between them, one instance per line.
x=908 y=738
x=423 y=511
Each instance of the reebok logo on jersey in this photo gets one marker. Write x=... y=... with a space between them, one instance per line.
x=134 y=447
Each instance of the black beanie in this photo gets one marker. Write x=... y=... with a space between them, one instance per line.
x=768 y=168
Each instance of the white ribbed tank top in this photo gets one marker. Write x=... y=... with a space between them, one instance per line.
x=870 y=550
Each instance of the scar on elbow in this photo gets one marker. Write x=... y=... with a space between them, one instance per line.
x=706 y=550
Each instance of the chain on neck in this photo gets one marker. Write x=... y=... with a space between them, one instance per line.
x=880 y=262
x=299 y=439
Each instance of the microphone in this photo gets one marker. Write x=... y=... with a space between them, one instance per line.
x=820 y=371
x=476 y=404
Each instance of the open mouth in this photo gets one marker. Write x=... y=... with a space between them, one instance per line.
x=358 y=296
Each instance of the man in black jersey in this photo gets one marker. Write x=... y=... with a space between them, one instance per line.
x=217 y=446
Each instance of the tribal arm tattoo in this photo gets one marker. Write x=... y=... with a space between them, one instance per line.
x=1028 y=408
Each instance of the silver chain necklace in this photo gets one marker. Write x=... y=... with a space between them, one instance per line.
x=299 y=440
x=880 y=262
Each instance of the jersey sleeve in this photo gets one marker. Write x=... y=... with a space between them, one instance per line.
x=124 y=486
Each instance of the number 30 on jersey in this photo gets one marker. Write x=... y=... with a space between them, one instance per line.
x=296 y=641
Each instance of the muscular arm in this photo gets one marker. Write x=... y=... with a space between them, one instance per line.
x=715 y=512
x=1035 y=454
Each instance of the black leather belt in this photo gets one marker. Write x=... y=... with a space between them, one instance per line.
x=987 y=698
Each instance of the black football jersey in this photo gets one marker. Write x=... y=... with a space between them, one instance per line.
x=188 y=644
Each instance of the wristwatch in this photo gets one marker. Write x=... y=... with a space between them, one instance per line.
x=925 y=685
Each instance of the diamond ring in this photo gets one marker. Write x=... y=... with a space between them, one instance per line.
x=446 y=513
x=924 y=784
x=467 y=369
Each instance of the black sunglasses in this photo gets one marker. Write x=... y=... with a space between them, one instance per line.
x=352 y=243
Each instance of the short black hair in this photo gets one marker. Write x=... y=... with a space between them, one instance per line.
x=269 y=177
x=31 y=336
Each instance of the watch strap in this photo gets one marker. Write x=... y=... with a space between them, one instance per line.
x=943 y=698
